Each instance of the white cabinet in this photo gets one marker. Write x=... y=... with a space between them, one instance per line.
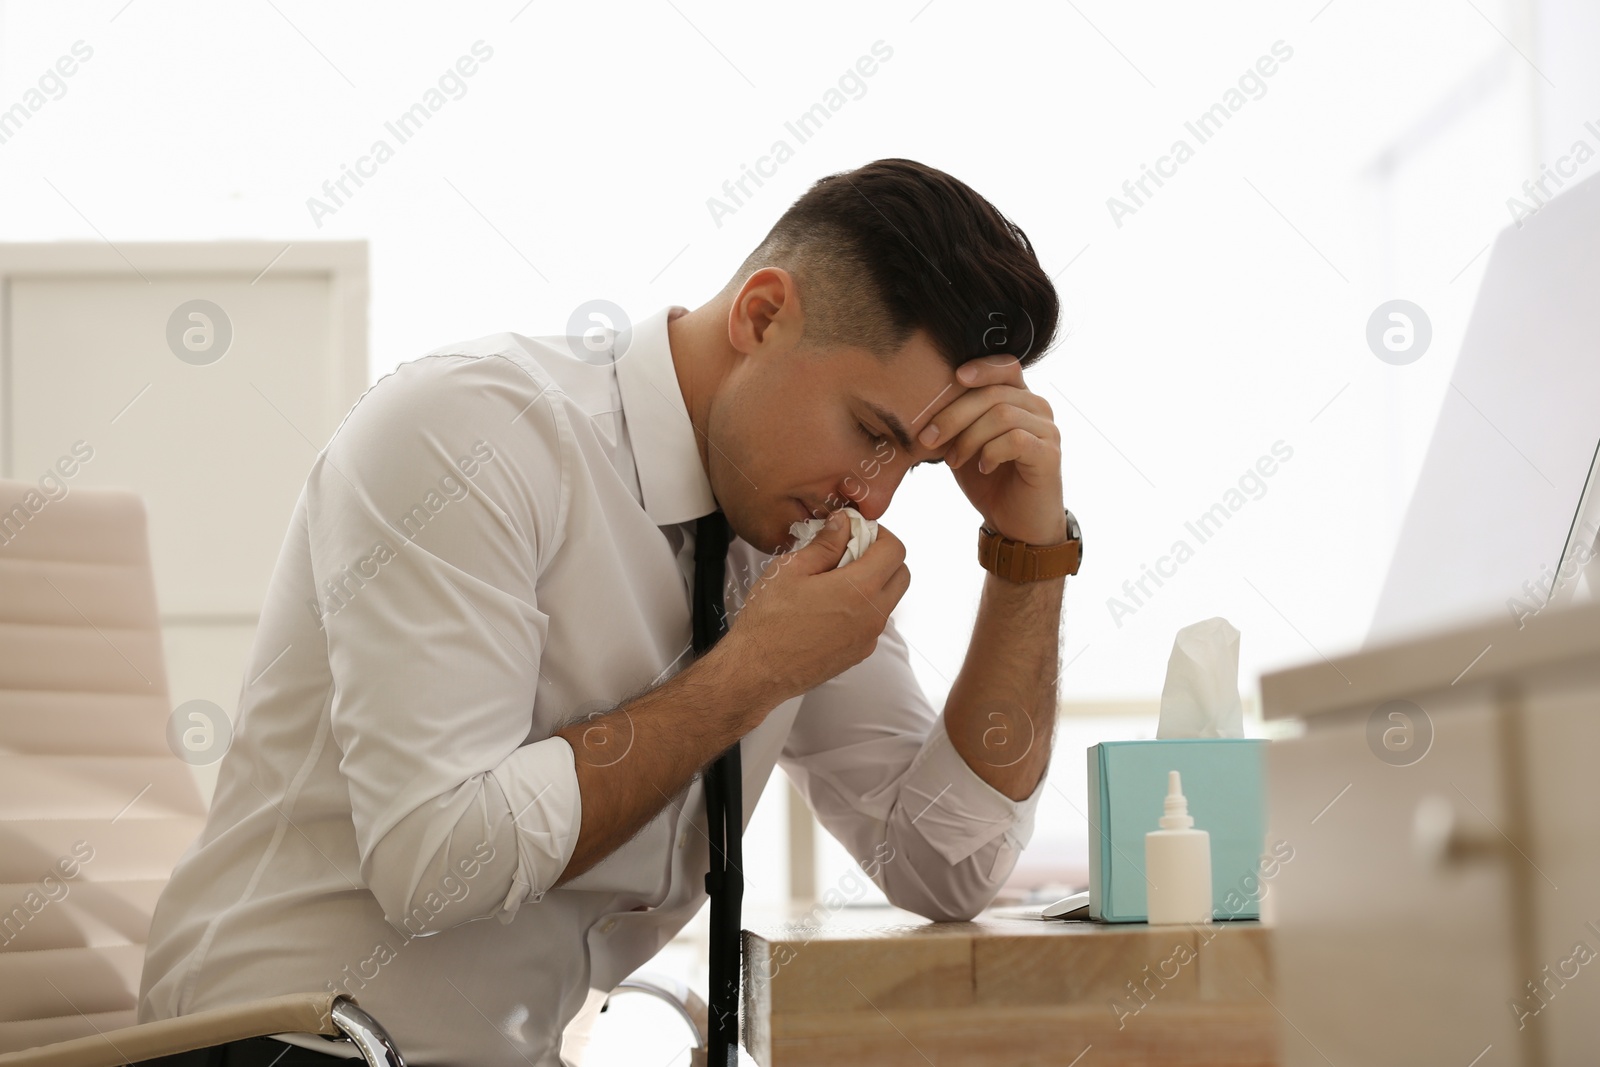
x=1443 y=903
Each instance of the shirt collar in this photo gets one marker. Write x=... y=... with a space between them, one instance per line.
x=671 y=478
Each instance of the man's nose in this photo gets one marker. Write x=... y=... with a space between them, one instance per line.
x=870 y=496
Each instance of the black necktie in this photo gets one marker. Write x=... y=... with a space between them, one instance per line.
x=724 y=807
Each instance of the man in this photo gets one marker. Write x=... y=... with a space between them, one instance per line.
x=464 y=783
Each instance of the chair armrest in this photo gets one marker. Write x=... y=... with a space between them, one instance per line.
x=328 y=1014
x=685 y=1001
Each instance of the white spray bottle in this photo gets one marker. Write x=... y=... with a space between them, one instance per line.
x=1177 y=864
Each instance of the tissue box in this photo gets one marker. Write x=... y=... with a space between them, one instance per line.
x=1223 y=781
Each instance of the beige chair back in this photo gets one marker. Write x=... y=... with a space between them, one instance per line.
x=95 y=809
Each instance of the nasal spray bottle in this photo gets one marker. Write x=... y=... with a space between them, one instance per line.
x=1177 y=864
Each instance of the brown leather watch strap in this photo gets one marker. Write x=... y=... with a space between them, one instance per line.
x=1018 y=561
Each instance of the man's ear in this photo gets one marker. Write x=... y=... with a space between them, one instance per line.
x=769 y=298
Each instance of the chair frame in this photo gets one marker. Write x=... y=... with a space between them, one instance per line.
x=330 y=1015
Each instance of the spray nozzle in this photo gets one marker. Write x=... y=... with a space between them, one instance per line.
x=1175 y=809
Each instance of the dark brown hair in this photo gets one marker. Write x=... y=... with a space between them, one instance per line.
x=896 y=246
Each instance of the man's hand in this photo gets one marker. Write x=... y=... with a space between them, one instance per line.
x=806 y=621
x=1005 y=451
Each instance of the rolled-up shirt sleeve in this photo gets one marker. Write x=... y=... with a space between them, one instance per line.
x=430 y=514
x=873 y=760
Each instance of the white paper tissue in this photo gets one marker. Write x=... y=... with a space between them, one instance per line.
x=1201 y=694
x=863 y=531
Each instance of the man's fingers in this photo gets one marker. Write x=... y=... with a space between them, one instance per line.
x=882 y=557
x=1036 y=459
x=956 y=417
x=899 y=582
x=984 y=370
x=994 y=424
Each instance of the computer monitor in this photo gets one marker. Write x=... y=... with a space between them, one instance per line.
x=1509 y=494
x=1578 y=577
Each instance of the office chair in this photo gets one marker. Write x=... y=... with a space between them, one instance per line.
x=678 y=995
x=95 y=809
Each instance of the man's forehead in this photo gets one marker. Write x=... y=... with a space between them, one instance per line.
x=906 y=392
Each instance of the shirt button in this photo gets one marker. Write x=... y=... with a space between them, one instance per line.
x=683 y=838
x=610 y=925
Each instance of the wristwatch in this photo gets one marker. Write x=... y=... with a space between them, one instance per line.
x=1018 y=561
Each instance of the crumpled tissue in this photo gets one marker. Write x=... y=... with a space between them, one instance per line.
x=1201 y=695
x=863 y=531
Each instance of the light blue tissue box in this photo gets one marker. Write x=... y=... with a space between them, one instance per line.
x=1223 y=779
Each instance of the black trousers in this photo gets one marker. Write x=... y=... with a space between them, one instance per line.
x=251 y=1052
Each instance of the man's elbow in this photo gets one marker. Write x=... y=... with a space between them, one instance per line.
x=943 y=913
x=409 y=905
x=953 y=899
x=420 y=898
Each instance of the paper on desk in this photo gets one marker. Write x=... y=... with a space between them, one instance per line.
x=1201 y=694
x=863 y=531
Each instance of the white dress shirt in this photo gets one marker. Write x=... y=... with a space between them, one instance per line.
x=498 y=538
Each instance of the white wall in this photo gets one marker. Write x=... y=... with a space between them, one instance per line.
x=1221 y=317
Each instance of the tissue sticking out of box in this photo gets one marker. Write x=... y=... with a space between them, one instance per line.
x=863 y=531
x=1201 y=694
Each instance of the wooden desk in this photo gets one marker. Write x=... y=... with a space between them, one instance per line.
x=886 y=987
